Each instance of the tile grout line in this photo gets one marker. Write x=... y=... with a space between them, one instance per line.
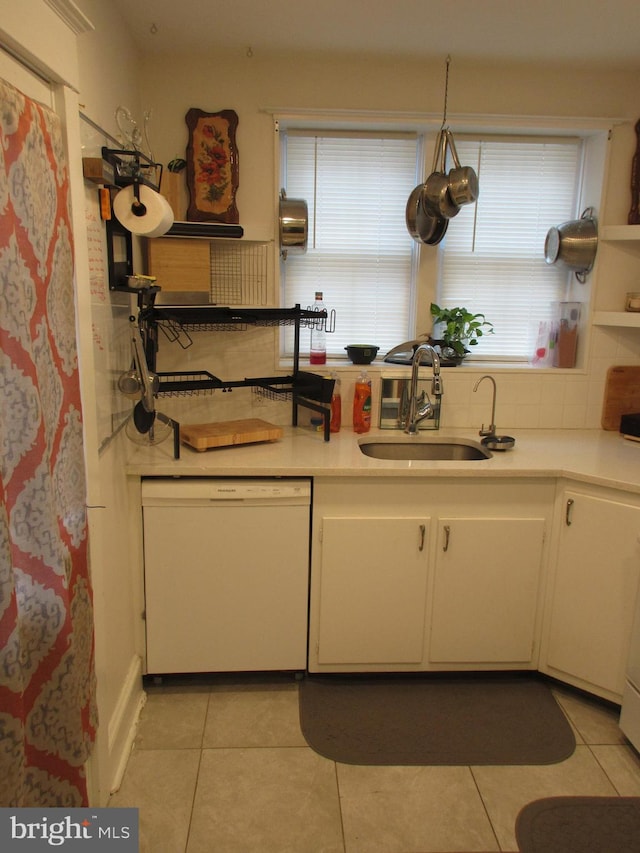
x=195 y=787
x=484 y=806
x=609 y=779
x=344 y=837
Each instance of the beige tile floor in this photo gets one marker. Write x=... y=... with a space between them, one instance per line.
x=221 y=766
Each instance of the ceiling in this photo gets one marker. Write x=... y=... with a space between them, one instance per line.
x=587 y=31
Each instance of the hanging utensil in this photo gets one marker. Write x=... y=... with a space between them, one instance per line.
x=129 y=383
x=463 y=181
x=150 y=381
x=142 y=418
x=144 y=411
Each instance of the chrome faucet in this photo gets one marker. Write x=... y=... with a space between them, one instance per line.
x=491 y=430
x=419 y=407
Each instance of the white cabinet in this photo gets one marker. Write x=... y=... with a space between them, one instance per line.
x=386 y=596
x=485 y=590
x=593 y=589
x=372 y=596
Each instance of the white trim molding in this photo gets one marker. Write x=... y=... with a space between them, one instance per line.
x=73 y=17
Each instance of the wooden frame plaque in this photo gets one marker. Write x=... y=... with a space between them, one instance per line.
x=212 y=166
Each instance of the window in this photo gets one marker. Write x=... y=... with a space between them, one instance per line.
x=360 y=255
x=493 y=254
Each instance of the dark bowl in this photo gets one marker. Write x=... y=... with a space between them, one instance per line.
x=361 y=353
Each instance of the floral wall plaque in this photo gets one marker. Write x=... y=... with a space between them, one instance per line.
x=212 y=166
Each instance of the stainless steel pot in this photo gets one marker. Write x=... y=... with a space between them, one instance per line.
x=574 y=243
x=435 y=194
x=463 y=181
x=294 y=224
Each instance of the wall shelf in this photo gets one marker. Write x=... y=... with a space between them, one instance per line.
x=619 y=233
x=627 y=319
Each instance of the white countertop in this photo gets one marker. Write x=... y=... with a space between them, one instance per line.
x=592 y=456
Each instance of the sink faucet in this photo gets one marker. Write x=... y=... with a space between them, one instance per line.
x=419 y=408
x=491 y=431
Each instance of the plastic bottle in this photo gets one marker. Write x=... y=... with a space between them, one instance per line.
x=318 y=354
x=362 y=404
x=336 y=406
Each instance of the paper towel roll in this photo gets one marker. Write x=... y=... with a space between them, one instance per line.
x=157 y=219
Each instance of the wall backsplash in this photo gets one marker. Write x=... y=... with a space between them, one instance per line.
x=526 y=398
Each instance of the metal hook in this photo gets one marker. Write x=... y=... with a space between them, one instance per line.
x=446 y=92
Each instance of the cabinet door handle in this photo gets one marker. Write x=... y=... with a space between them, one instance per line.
x=423 y=530
x=447 y=534
x=567 y=512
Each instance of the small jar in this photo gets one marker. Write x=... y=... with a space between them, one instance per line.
x=632 y=302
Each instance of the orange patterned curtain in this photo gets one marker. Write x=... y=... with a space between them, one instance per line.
x=47 y=689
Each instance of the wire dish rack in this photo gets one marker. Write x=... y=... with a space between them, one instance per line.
x=303 y=383
x=304 y=388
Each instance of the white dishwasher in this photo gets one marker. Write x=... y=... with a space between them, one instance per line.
x=226 y=574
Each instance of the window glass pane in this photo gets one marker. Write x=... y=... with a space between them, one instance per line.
x=493 y=254
x=360 y=254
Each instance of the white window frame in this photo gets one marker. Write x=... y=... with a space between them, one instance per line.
x=357 y=272
x=596 y=131
x=517 y=272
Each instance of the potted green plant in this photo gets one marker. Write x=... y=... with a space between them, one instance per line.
x=456 y=329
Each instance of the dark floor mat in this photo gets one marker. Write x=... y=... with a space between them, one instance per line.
x=434 y=720
x=580 y=825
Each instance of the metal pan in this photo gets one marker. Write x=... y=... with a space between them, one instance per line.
x=424 y=225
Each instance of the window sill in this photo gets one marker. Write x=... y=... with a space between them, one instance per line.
x=378 y=366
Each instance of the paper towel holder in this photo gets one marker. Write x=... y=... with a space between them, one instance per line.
x=130 y=167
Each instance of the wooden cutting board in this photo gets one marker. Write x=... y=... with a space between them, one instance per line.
x=227 y=433
x=621 y=395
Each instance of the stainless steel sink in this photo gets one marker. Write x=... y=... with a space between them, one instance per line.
x=436 y=449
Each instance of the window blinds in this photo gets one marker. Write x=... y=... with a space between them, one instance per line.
x=360 y=254
x=493 y=254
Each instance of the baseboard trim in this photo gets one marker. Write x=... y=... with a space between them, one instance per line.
x=123 y=725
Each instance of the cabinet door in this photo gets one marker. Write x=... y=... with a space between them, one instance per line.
x=485 y=596
x=372 y=590
x=594 y=592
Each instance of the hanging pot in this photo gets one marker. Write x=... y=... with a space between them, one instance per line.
x=294 y=223
x=574 y=244
x=463 y=181
x=435 y=194
x=424 y=225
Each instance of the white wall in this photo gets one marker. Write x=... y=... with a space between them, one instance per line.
x=108 y=74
